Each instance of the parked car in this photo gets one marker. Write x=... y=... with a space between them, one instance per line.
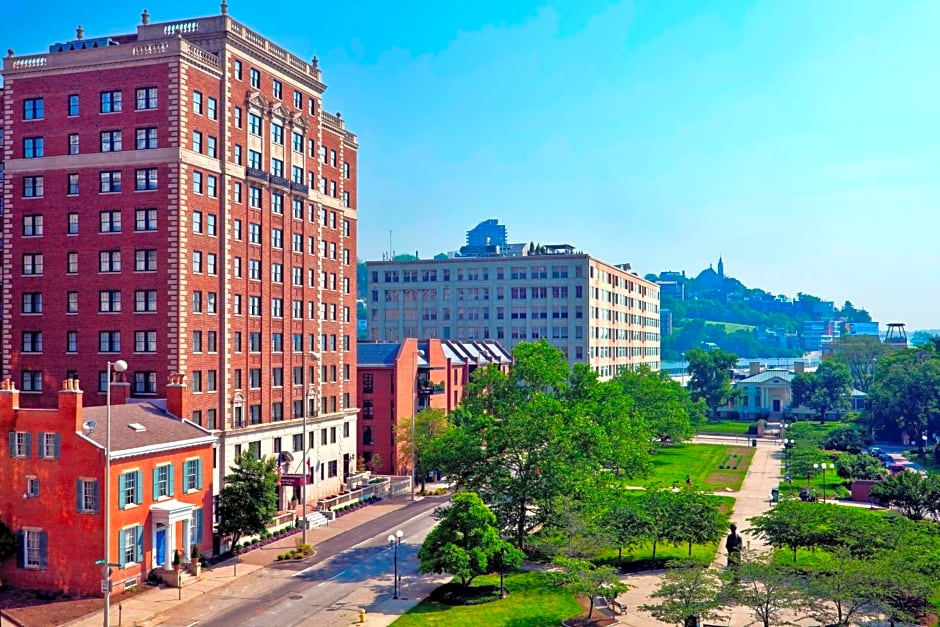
x=896 y=468
x=875 y=451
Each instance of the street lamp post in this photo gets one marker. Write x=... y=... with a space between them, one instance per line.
x=117 y=366
x=824 y=466
x=923 y=449
x=394 y=541
x=303 y=464
x=502 y=556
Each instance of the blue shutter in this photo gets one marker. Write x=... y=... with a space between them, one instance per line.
x=198 y=463
x=122 y=491
x=20 y=548
x=186 y=471
x=140 y=488
x=172 y=469
x=121 y=547
x=29 y=444
x=94 y=495
x=12 y=443
x=198 y=523
x=156 y=483
x=42 y=438
x=43 y=550
x=57 y=445
x=78 y=496
x=139 y=550
x=36 y=483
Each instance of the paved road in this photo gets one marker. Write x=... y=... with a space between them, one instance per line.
x=351 y=570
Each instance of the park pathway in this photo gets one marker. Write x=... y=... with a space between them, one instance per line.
x=751 y=500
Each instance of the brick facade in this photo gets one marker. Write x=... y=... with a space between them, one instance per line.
x=233 y=262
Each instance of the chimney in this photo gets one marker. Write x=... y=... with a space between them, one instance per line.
x=120 y=389
x=799 y=367
x=70 y=402
x=754 y=368
x=177 y=401
x=9 y=399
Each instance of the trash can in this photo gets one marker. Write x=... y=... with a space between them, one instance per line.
x=754 y=442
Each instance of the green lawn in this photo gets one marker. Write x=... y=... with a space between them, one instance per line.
x=731 y=327
x=702 y=462
x=726 y=427
x=531 y=602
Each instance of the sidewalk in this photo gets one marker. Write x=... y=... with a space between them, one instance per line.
x=751 y=500
x=145 y=607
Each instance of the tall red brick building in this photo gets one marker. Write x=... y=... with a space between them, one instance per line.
x=178 y=197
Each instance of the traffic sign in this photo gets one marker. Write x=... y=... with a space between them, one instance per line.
x=107 y=586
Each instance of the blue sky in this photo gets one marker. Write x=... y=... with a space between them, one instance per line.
x=797 y=139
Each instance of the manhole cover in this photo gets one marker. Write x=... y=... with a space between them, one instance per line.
x=296 y=597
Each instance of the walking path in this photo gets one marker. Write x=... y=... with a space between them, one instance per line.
x=751 y=500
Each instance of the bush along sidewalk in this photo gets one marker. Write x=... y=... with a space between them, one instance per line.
x=351 y=507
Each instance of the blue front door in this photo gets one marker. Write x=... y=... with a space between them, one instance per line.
x=160 y=548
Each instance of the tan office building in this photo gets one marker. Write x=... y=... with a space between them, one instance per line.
x=594 y=312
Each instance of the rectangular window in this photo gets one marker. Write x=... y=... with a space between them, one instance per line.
x=35 y=549
x=87 y=496
x=197 y=102
x=238 y=117
x=145 y=382
x=146 y=98
x=109 y=182
x=32 y=264
x=192 y=475
x=32 y=147
x=254 y=78
x=31 y=341
x=73 y=144
x=145 y=260
x=146 y=138
x=71 y=341
x=145 y=220
x=145 y=301
x=73 y=185
x=32 y=225
x=110 y=141
x=212 y=108
x=197 y=141
x=32 y=187
x=73 y=105
x=278 y=89
x=145 y=341
x=109 y=301
x=109 y=341
x=33 y=109
x=71 y=305
x=110 y=102
x=109 y=221
x=109 y=261
x=32 y=303
x=32 y=381
x=238 y=69
x=212 y=146
x=197 y=182
x=212 y=184
x=129 y=489
x=254 y=124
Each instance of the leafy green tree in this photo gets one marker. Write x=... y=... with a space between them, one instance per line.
x=248 y=502
x=660 y=508
x=661 y=403
x=906 y=390
x=688 y=590
x=825 y=390
x=711 y=376
x=913 y=495
x=768 y=590
x=859 y=466
x=625 y=525
x=697 y=519
x=518 y=442
x=845 y=589
x=583 y=578
x=849 y=438
x=792 y=524
x=429 y=424
x=466 y=541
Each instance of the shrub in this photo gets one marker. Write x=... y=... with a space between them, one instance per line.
x=841 y=492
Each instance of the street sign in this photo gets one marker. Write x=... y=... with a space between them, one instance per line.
x=107 y=586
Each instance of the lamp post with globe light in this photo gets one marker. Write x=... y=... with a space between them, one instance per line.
x=824 y=466
x=394 y=541
x=116 y=366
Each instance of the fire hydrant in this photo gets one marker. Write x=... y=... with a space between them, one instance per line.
x=362 y=615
